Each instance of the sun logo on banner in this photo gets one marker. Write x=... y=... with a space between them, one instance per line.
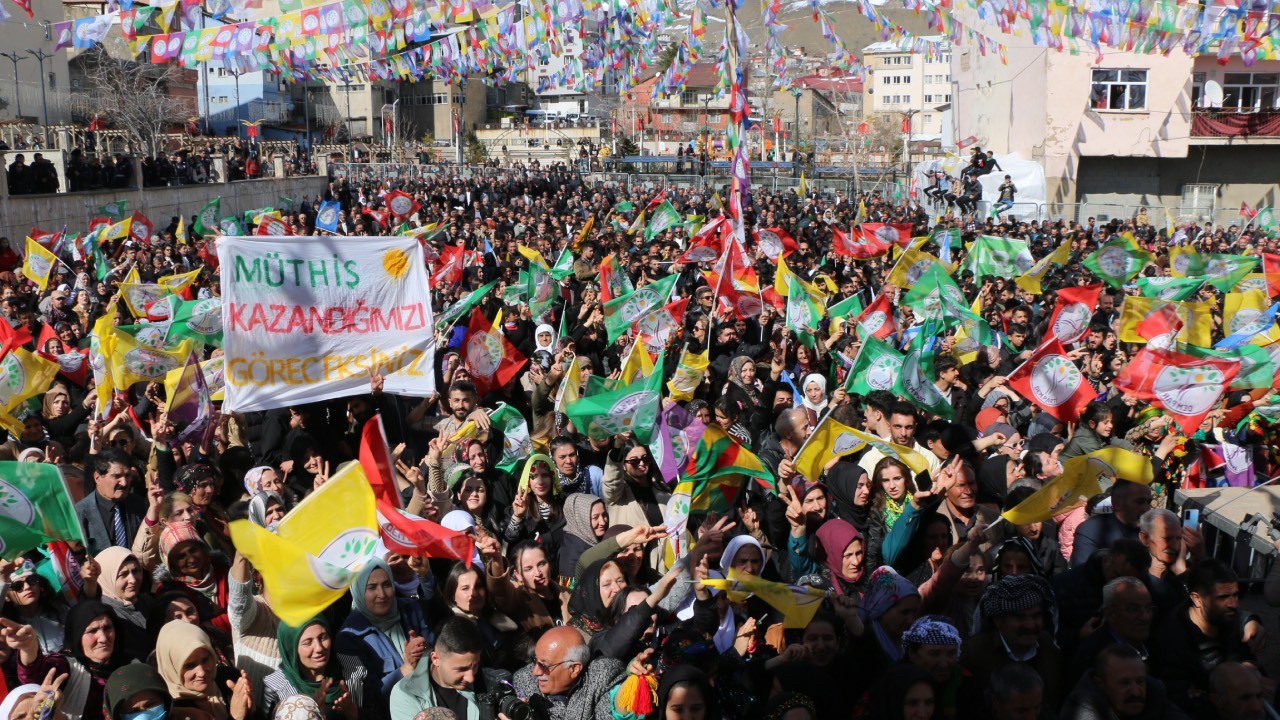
x=396 y=263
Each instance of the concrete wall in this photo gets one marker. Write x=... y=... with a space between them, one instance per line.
x=19 y=214
x=1242 y=174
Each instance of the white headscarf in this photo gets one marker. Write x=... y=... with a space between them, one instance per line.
x=545 y=328
x=460 y=521
x=14 y=697
x=820 y=381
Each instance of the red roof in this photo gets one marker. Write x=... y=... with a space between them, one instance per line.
x=830 y=84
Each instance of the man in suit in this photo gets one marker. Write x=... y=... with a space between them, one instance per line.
x=110 y=515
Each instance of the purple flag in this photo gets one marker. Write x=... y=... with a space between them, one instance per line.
x=1238 y=464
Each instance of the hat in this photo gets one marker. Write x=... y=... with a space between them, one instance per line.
x=1000 y=427
x=174 y=534
x=130 y=680
x=1013 y=594
x=932 y=630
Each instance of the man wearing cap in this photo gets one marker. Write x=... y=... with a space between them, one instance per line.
x=1016 y=617
x=932 y=644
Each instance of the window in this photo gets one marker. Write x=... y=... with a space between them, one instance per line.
x=666 y=118
x=1250 y=91
x=689 y=97
x=1197 y=90
x=1119 y=89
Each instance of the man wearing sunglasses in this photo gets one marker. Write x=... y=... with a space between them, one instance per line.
x=564 y=679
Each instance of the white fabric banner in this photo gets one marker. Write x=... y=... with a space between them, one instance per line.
x=310 y=318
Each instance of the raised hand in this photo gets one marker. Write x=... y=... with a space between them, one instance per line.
x=241 y=705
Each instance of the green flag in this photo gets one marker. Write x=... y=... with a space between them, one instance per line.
x=37 y=508
x=624 y=206
x=1168 y=287
x=997 y=257
x=876 y=367
x=803 y=314
x=207 y=219
x=935 y=294
x=849 y=307
x=114 y=210
x=631 y=408
x=541 y=290
x=230 y=225
x=284 y=202
x=463 y=306
x=620 y=312
x=1224 y=272
x=564 y=265
x=664 y=216
x=946 y=239
x=515 y=293
x=916 y=381
x=1118 y=261
x=516 y=444
x=199 y=320
x=251 y=216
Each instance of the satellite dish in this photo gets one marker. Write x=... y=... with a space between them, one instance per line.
x=1212 y=94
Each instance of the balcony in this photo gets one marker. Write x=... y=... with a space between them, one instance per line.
x=1224 y=126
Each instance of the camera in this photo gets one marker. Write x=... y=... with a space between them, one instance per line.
x=505 y=701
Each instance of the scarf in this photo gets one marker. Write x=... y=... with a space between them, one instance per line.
x=258 y=508
x=253 y=479
x=834 y=536
x=177 y=642
x=887 y=588
x=892 y=511
x=585 y=606
x=821 y=382
x=577 y=517
x=287 y=639
x=389 y=624
x=111 y=560
x=735 y=377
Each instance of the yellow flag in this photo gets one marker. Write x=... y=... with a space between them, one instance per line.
x=38 y=265
x=571 y=385
x=1197 y=327
x=137 y=296
x=804 y=186
x=213 y=379
x=318 y=548
x=132 y=362
x=532 y=255
x=1241 y=309
x=180 y=234
x=1252 y=281
x=688 y=376
x=1031 y=279
x=911 y=265
x=177 y=283
x=639 y=364
x=862 y=213
x=23 y=375
x=132 y=277
x=102 y=344
x=797 y=603
x=780 y=283
x=832 y=439
x=964 y=349
x=1078 y=482
x=497 y=322
x=115 y=231
x=1182 y=258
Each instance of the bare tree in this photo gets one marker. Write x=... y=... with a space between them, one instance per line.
x=134 y=97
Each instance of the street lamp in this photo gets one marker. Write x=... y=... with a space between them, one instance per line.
x=795 y=151
x=40 y=55
x=14 y=57
x=907 y=116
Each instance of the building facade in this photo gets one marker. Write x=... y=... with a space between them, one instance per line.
x=902 y=82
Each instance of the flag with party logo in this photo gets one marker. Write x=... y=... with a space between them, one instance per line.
x=133 y=361
x=1079 y=481
x=688 y=375
x=614 y=282
x=1185 y=260
x=848 y=307
x=114 y=210
x=1194 y=321
x=876 y=320
x=38 y=264
x=656 y=329
x=207 y=219
x=716 y=471
x=804 y=313
x=1185 y=386
x=664 y=217
x=1248 y=318
x=140 y=296
x=860 y=245
x=317 y=549
x=833 y=439
x=23 y=375
x=190 y=405
x=179 y=283
x=516 y=442
x=199 y=320
x=460 y=308
x=990 y=256
x=797 y=603
x=1168 y=287
x=621 y=312
x=327 y=216
x=1053 y=382
x=493 y=361
x=877 y=366
x=917 y=380
x=37 y=508
x=911 y=266
x=1225 y=271
x=774 y=242
x=631 y=408
x=1033 y=278
x=1118 y=261
x=947 y=239
x=541 y=290
x=570 y=390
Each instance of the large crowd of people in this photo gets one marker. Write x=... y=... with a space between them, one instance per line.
x=575 y=605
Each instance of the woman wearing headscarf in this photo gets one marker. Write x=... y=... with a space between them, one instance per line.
x=595 y=591
x=62 y=416
x=537 y=509
x=137 y=692
x=731 y=624
x=585 y=521
x=309 y=663
x=91 y=655
x=190 y=568
x=29 y=599
x=544 y=339
x=888 y=608
x=743 y=386
x=842 y=551
x=123 y=590
x=188 y=663
x=202 y=483
x=388 y=633
x=632 y=488
x=813 y=396
x=266 y=510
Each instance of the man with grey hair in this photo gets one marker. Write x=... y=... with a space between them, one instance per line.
x=1127 y=612
x=565 y=682
x=1169 y=543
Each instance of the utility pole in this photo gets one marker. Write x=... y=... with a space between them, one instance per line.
x=14 y=57
x=306 y=113
x=795 y=152
x=40 y=55
x=908 y=115
x=351 y=146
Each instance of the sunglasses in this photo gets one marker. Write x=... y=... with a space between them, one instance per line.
x=20 y=585
x=545 y=668
x=637 y=462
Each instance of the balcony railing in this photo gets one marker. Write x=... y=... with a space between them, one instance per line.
x=1231 y=123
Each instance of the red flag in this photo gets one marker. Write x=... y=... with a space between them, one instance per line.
x=66 y=568
x=401 y=204
x=207 y=254
x=449 y=267
x=775 y=243
x=379 y=216
x=857 y=245
x=493 y=361
x=46 y=334
x=73 y=365
x=707 y=244
x=375 y=460
x=885 y=234
x=877 y=318
x=1247 y=212
x=1049 y=379
x=1073 y=312
x=140 y=228
x=11 y=338
x=1271 y=270
x=1162 y=322
x=1187 y=387
x=407 y=534
x=271 y=227
x=657 y=199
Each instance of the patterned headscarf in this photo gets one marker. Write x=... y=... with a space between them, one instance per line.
x=1015 y=594
x=188 y=476
x=887 y=588
x=932 y=630
x=253 y=479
